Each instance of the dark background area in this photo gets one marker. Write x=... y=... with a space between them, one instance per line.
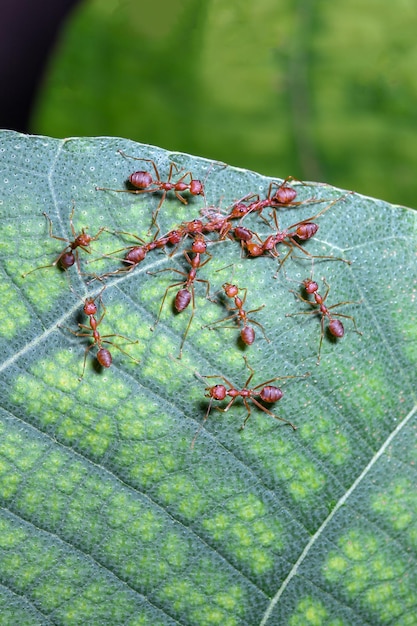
x=312 y=90
x=28 y=32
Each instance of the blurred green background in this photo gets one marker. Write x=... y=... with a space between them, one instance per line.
x=324 y=91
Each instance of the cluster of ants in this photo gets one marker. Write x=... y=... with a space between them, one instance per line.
x=223 y=226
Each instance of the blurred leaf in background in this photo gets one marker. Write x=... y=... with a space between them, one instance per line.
x=317 y=90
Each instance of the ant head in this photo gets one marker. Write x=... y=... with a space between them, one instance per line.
x=195 y=226
x=90 y=307
x=175 y=237
x=240 y=209
x=310 y=285
x=196 y=188
x=199 y=244
x=230 y=290
x=83 y=240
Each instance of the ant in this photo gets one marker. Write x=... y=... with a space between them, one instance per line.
x=335 y=327
x=264 y=391
x=67 y=257
x=145 y=183
x=103 y=355
x=284 y=196
x=186 y=294
x=247 y=333
x=136 y=254
x=304 y=230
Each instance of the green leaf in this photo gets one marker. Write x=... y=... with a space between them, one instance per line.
x=109 y=516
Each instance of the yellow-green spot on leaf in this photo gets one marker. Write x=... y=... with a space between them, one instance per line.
x=218 y=525
x=212 y=617
x=335 y=566
x=259 y=560
x=369 y=570
x=358 y=546
x=329 y=443
x=59 y=372
x=247 y=507
x=266 y=534
x=378 y=594
x=9 y=482
x=175 y=550
x=14 y=315
x=398 y=503
x=306 y=481
x=358 y=578
x=182 y=491
x=10 y=536
x=309 y=612
x=129 y=425
x=183 y=595
x=231 y=600
x=241 y=540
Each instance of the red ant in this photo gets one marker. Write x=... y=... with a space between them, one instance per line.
x=336 y=328
x=264 y=391
x=186 y=295
x=104 y=356
x=247 y=333
x=145 y=183
x=304 y=230
x=284 y=196
x=67 y=258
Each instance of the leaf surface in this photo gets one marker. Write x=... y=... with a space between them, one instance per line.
x=109 y=515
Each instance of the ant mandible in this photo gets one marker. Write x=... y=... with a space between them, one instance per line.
x=103 y=355
x=67 y=257
x=336 y=328
x=264 y=391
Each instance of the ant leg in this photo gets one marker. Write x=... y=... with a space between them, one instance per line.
x=263 y=408
x=272 y=380
x=260 y=326
x=51 y=234
x=245 y=402
x=223 y=378
x=202 y=423
x=86 y=351
x=115 y=345
x=189 y=323
x=252 y=372
x=349 y=317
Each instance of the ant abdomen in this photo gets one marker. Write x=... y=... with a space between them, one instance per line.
x=141 y=180
x=284 y=194
x=136 y=255
x=336 y=328
x=306 y=231
x=67 y=260
x=104 y=357
x=247 y=335
x=182 y=300
x=271 y=394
